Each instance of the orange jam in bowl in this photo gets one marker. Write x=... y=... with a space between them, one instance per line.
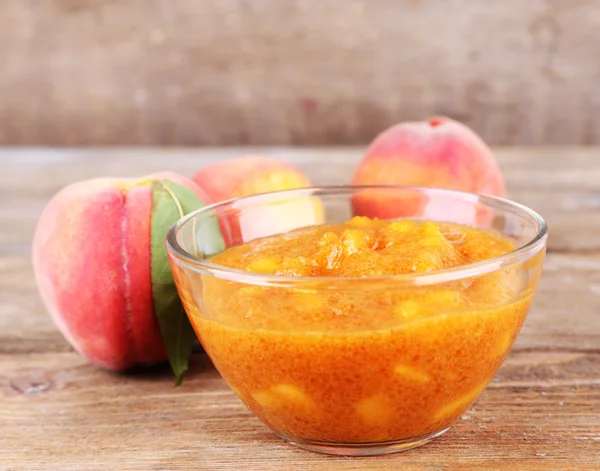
x=362 y=336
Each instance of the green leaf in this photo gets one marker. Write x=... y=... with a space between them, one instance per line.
x=171 y=201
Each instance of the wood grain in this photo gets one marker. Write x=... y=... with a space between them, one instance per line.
x=120 y=72
x=540 y=413
x=57 y=412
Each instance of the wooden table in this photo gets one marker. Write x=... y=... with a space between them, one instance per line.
x=541 y=412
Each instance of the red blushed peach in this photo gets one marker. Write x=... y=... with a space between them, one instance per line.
x=250 y=175
x=439 y=152
x=93 y=254
x=247 y=176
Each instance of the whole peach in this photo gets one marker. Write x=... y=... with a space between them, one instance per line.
x=439 y=152
x=102 y=269
x=251 y=175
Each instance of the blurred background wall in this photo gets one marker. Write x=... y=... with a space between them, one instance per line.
x=318 y=72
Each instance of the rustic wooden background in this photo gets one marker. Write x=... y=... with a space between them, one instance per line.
x=189 y=72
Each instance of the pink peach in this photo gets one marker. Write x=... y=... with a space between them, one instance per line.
x=439 y=152
x=251 y=175
x=92 y=258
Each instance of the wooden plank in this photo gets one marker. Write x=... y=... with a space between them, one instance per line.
x=106 y=72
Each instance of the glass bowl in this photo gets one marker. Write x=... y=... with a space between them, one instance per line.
x=335 y=364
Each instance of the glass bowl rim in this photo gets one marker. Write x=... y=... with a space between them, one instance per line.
x=520 y=254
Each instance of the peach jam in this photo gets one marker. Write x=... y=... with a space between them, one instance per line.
x=362 y=362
